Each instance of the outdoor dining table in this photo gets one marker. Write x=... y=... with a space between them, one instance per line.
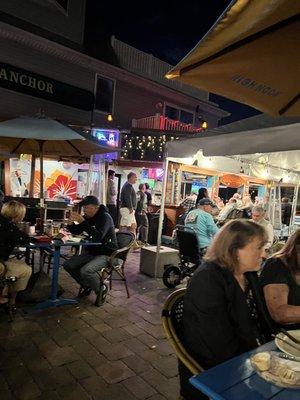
x=54 y=247
x=235 y=379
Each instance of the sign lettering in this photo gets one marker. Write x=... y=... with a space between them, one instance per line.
x=27 y=82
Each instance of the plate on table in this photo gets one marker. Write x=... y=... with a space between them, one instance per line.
x=287 y=345
x=282 y=372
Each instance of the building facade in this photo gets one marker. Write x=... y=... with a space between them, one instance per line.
x=42 y=68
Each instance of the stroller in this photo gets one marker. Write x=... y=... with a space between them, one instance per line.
x=189 y=254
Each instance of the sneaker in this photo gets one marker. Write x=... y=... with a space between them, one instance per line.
x=101 y=296
x=84 y=292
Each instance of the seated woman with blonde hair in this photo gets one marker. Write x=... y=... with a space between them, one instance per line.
x=280 y=279
x=224 y=313
x=10 y=237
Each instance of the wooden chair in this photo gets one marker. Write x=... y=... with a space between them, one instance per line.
x=172 y=314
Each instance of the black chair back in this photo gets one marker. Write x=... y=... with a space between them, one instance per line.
x=189 y=248
x=125 y=240
x=176 y=315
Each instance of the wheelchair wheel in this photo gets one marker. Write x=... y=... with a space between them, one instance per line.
x=171 y=277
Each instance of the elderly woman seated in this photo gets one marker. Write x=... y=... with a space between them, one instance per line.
x=280 y=279
x=224 y=313
x=10 y=237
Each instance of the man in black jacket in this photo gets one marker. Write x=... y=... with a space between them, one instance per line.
x=98 y=225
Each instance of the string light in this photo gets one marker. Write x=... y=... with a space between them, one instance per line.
x=147 y=147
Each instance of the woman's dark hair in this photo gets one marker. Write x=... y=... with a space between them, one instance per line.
x=111 y=172
x=234 y=235
x=288 y=254
x=202 y=193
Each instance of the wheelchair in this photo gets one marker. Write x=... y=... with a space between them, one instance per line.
x=190 y=257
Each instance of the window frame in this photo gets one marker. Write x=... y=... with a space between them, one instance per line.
x=166 y=103
x=113 y=95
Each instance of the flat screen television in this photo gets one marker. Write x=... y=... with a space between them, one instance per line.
x=144 y=173
x=151 y=183
x=155 y=173
x=196 y=186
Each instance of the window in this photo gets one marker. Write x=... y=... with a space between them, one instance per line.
x=177 y=114
x=186 y=117
x=172 y=113
x=104 y=94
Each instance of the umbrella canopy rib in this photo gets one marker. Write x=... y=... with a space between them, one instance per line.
x=19 y=144
x=242 y=42
x=74 y=147
x=289 y=104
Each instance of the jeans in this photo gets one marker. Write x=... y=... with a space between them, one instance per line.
x=142 y=226
x=84 y=268
x=112 y=209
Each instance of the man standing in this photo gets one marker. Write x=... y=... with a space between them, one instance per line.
x=111 y=196
x=148 y=194
x=286 y=211
x=258 y=216
x=98 y=225
x=202 y=222
x=141 y=214
x=128 y=204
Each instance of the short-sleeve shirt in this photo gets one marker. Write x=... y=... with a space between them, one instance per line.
x=203 y=224
x=276 y=272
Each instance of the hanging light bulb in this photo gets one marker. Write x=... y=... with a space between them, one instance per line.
x=109 y=118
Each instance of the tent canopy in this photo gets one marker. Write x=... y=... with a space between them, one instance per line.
x=214 y=143
x=276 y=146
x=251 y=55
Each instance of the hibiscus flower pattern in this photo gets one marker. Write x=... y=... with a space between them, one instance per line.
x=59 y=184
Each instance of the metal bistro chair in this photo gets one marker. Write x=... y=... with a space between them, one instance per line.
x=190 y=257
x=172 y=315
x=117 y=260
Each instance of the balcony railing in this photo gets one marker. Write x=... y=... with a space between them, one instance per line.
x=151 y=67
x=163 y=123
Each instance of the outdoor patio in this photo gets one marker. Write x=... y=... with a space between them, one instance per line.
x=84 y=352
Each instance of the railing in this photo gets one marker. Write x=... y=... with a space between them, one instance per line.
x=151 y=67
x=163 y=123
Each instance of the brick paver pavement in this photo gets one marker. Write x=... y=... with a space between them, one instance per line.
x=82 y=352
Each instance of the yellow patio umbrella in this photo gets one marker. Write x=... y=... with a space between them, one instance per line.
x=251 y=55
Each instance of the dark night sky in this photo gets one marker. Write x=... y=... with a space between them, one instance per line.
x=168 y=30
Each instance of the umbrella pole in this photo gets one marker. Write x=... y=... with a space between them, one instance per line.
x=42 y=203
x=31 y=187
